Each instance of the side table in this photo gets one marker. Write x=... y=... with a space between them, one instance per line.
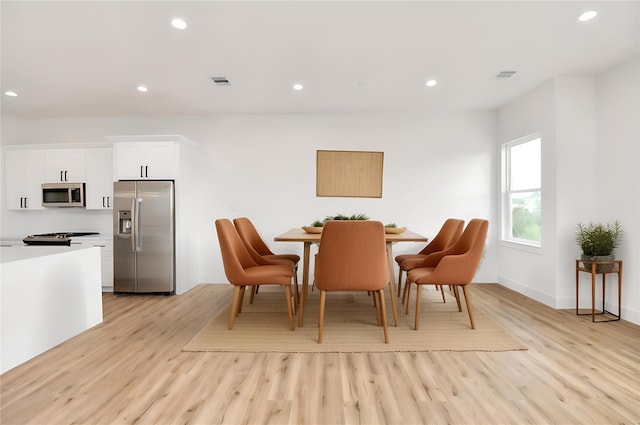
x=617 y=268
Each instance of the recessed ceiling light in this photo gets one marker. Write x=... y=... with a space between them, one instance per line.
x=11 y=93
x=431 y=83
x=142 y=89
x=298 y=86
x=587 y=16
x=179 y=23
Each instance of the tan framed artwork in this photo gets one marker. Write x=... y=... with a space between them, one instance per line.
x=355 y=174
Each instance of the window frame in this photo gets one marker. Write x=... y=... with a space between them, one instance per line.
x=507 y=192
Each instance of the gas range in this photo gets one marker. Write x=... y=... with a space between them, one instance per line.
x=59 y=238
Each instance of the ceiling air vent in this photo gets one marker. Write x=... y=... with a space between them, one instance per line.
x=505 y=74
x=221 y=81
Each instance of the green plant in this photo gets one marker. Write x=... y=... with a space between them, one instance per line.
x=598 y=238
x=320 y=223
x=360 y=216
x=391 y=225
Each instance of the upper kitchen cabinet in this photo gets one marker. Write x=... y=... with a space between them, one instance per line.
x=142 y=160
x=23 y=177
x=99 y=170
x=177 y=158
x=64 y=165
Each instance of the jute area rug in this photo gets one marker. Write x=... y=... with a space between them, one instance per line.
x=351 y=326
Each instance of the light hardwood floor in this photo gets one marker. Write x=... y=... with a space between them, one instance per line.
x=131 y=369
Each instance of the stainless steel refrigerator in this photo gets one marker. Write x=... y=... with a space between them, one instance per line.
x=144 y=237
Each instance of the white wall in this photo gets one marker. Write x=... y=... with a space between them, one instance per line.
x=263 y=167
x=531 y=271
x=590 y=135
x=618 y=171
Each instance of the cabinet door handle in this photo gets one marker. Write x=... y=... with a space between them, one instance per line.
x=103 y=199
x=146 y=171
x=108 y=201
x=65 y=176
x=61 y=179
x=141 y=169
x=25 y=202
x=21 y=202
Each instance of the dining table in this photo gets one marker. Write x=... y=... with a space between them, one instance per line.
x=298 y=234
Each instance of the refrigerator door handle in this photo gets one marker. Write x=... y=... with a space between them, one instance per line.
x=134 y=229
x=138 y=238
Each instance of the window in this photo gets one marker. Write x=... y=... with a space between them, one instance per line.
x=522 y=194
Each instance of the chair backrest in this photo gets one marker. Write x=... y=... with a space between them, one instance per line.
x=352 y=256
x=461 y=261
x=460 y=246
x=250 y=236
x=448 y=234
x=235 y=257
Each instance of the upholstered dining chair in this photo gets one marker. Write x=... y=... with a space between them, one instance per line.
x=455 y=266
x=261 y=253
x=352 y=256
x=447 y=235
x=242 y=271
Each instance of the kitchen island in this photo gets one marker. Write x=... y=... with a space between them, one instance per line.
x=48 y=294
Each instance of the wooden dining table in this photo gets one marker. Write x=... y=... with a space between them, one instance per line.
x=300 y=235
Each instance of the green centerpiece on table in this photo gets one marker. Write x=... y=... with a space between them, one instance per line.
x=316 y=226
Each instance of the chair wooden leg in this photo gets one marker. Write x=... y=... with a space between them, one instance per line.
x=287 y=291
x=418 y=302
x=457 y=294
x=234 y=305
x=407 y=295
x=400 y=282
x=323 y=295
x=254 y=289
x=383 y=314
x=468 y=302
x=295 y=282
x=241 y=301
x=442 y=292
x=376 y=297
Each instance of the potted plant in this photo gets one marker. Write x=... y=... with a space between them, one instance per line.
x=598 y=242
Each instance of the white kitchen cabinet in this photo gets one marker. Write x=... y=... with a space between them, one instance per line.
x=106 y=258
x=99 y=187
x=23 y=177
x=144 y=160
x=64 y=165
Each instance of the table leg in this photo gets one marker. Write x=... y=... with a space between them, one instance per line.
x=305 y=281
x=394 y=307
x=593 y=292
x=619 y=289
x=577 y=286
x=604 y=285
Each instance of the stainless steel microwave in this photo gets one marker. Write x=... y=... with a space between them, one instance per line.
x=63 y=195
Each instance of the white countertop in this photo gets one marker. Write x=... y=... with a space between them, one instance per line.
x=21 y=252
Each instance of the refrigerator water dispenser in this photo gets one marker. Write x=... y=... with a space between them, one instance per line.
x=124 y=220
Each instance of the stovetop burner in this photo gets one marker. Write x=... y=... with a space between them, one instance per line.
x=68 y=234
x=59 y=238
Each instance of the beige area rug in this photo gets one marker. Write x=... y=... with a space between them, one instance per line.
x=351 y=326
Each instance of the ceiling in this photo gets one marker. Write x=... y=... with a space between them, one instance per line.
x=85 y=59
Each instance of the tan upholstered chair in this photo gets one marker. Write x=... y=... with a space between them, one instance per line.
x=455 y=266
x=448 y=234
x=261 y=253
x=242 y=271
x=352 y=256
